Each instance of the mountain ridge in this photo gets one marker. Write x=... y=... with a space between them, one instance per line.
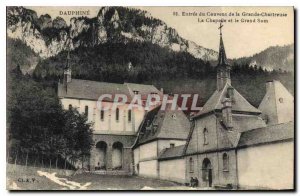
x=271 y=58
x=48 y=37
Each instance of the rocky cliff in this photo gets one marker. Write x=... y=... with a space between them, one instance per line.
x=47 y=36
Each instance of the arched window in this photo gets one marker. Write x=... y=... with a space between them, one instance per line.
x=129 y=115
x=191 y=163
x=205 y=139
x=86 y=110
x=225 y=162
x=102 y=115
x=117 y=114
x=70 y=106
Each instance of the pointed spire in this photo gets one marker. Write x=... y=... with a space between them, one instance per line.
x=223 y=67
x=222 y=55
x=68 y=57
x=67 y=69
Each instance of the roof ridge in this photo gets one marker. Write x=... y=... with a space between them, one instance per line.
x=267 y=126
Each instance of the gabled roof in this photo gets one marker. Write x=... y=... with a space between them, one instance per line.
x=268 y=134
x=170 y=153
x=86 y=89
x=215 y=102
x=168 y=124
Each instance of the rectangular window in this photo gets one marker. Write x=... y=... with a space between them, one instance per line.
x=86 y=110
x=117 y=114
x=102 y=115
x=129 y=115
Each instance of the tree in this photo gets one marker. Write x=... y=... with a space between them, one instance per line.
x=78 y=135
x=39 y=126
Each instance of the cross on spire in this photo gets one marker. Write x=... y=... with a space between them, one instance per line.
x=223 y=67
x=222 y=60
x=220 y=27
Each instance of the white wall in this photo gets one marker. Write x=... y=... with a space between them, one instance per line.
x=146 y=156
x=285 y=109
x=109 y=124
x=266 y=166
x=148 y=151
x=173 y=170
x=149 y=169
x=277 y=111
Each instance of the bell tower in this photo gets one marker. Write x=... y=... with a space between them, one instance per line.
x=223 y=67
x=67 y=72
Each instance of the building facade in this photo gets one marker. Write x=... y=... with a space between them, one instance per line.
x=115 y=130
x=229 y=143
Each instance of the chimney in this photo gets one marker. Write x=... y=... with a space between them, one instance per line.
x=230 y=94
x=226 y=112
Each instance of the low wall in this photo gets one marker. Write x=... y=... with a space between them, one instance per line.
x=173 y=170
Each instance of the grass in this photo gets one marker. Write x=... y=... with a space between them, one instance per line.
x=22 y=178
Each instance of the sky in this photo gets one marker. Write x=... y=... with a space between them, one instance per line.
x=240 y=38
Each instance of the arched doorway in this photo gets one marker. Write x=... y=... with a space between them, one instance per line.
x=101 y=148
x=117 y=156
x=207 y=172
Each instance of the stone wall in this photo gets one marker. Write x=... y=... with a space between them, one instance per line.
x=110 y=140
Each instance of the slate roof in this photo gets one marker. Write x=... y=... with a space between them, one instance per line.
x=174 y=152
x=86 y=89
x=268 y=134
x=159 y=124
x=243 y=123
x=215 y=102
x=143 y=89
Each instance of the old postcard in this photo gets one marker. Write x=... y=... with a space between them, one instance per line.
x=150 y=98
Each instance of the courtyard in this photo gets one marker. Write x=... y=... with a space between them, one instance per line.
x=33 y=178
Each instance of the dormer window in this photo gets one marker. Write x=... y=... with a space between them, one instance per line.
x=172 y=145
x=135 y=92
